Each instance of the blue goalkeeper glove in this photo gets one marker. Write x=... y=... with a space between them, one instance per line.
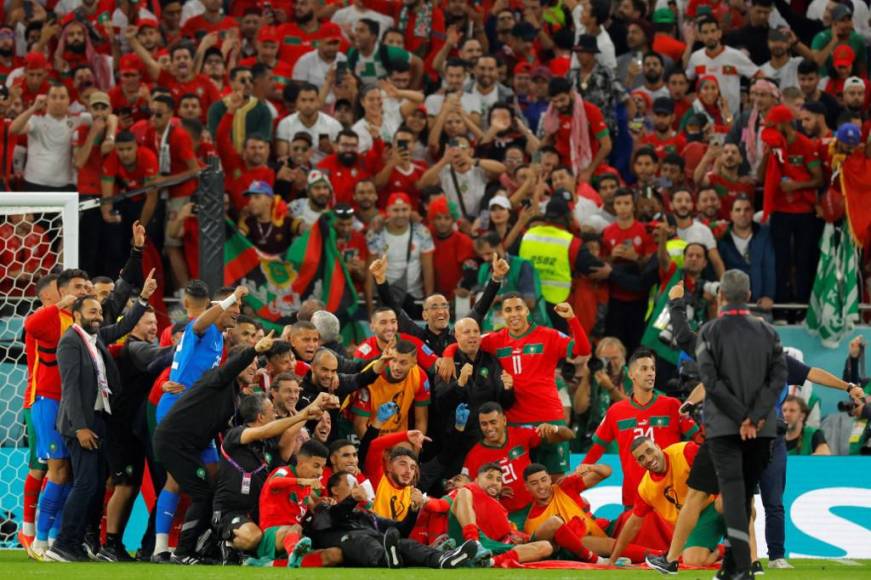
x=461 y=417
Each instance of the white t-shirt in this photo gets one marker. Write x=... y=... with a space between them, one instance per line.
x=786 y=76
x=395 y=246
x=324 y=125
x=389 y=126
x=311 y=68
x=607 y=56
x=698 y=233
x=347 y=17
x=302 y=209
x=728 y=67
x=484 y=101
x=741 y=244
x=472 y=185
x=50 y=149
x=660 y=92
x=470 y=102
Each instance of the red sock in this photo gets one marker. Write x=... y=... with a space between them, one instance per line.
x=312 y=560
x=566 y=538
x=290 y=541
x=471 y=532
x=502 y=560
x=721 y=550
x=32 y=486
x=636 y=553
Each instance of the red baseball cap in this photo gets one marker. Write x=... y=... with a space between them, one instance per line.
x=268 y=34
x=398 y=197
x=35 y=61
x=130 y=63
x=330 y=31
x=778 y=115
x=843 y=55
x=147 y=23
x=522 y=68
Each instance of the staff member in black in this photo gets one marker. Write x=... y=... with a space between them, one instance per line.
x=248 y=455
x=199 y=415
x=88 y=375
x=368 y=540
x=743 y=369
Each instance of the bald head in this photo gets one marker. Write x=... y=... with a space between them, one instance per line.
x=468 y=335
x=437 y=313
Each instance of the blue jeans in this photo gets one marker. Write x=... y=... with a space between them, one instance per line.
x=771 y=486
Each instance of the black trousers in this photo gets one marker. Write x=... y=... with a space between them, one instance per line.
x=85 y=502
x=184 y=464
x=796 y=238
x=625 y=320
x=365 y=549
x=739 y=466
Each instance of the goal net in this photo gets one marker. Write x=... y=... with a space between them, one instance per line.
x=38 y=235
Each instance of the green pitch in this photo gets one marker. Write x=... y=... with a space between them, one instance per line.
x=15 y=566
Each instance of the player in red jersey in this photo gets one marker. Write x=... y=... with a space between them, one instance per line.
x=289 y=492
x=646 y=413
x=45 y=327
x=46 y=291
x=530 y=354
x=385 y=328
x=476 y=514
x=509 y=447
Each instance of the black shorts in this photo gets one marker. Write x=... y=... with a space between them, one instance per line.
x=703 y=476
x=226 y=522
x=126 y=453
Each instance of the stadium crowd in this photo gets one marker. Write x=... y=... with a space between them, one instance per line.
x=576 y=177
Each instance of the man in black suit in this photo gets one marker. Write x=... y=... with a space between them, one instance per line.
x=88 y=375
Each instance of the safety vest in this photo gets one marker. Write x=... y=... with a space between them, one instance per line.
x=567 y=508
x=392 y=502
x=675 y=248
x=547 y=247
x=660 y=320
x=805 y=444
x=402 y=393
x=667 y=494
x=493 y=320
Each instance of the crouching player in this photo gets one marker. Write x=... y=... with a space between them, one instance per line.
x=664 y=490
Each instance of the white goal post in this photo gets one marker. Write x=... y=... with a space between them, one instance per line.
x=39 y=234
x=64 y=203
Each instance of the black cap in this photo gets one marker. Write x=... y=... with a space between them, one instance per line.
x=343 y=210
x=699 y=120
x=663 y=105
x=558 y=206
x=587 y=43
x=815 y=107
x=524 y=30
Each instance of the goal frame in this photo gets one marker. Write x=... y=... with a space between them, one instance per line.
x=66 y=203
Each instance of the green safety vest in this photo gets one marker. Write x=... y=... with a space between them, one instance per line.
x=511 y=284
x=659 y=321
x=547 y=247
x=805 y=444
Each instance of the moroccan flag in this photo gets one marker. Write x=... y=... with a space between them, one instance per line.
x=268 y=278
x=240 y=257
x=321 y=272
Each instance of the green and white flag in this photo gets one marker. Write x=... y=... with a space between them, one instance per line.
x=834 y=302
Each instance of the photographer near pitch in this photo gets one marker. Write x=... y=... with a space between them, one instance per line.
x=742 y=366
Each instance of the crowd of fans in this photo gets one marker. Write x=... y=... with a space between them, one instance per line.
x=565 y=173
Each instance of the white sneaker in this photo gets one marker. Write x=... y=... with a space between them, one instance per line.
x=780 y=564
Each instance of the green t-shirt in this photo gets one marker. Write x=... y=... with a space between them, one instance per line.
x=855 y=41
x=369 y=69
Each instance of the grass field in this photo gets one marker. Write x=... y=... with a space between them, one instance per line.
x=14 y=565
